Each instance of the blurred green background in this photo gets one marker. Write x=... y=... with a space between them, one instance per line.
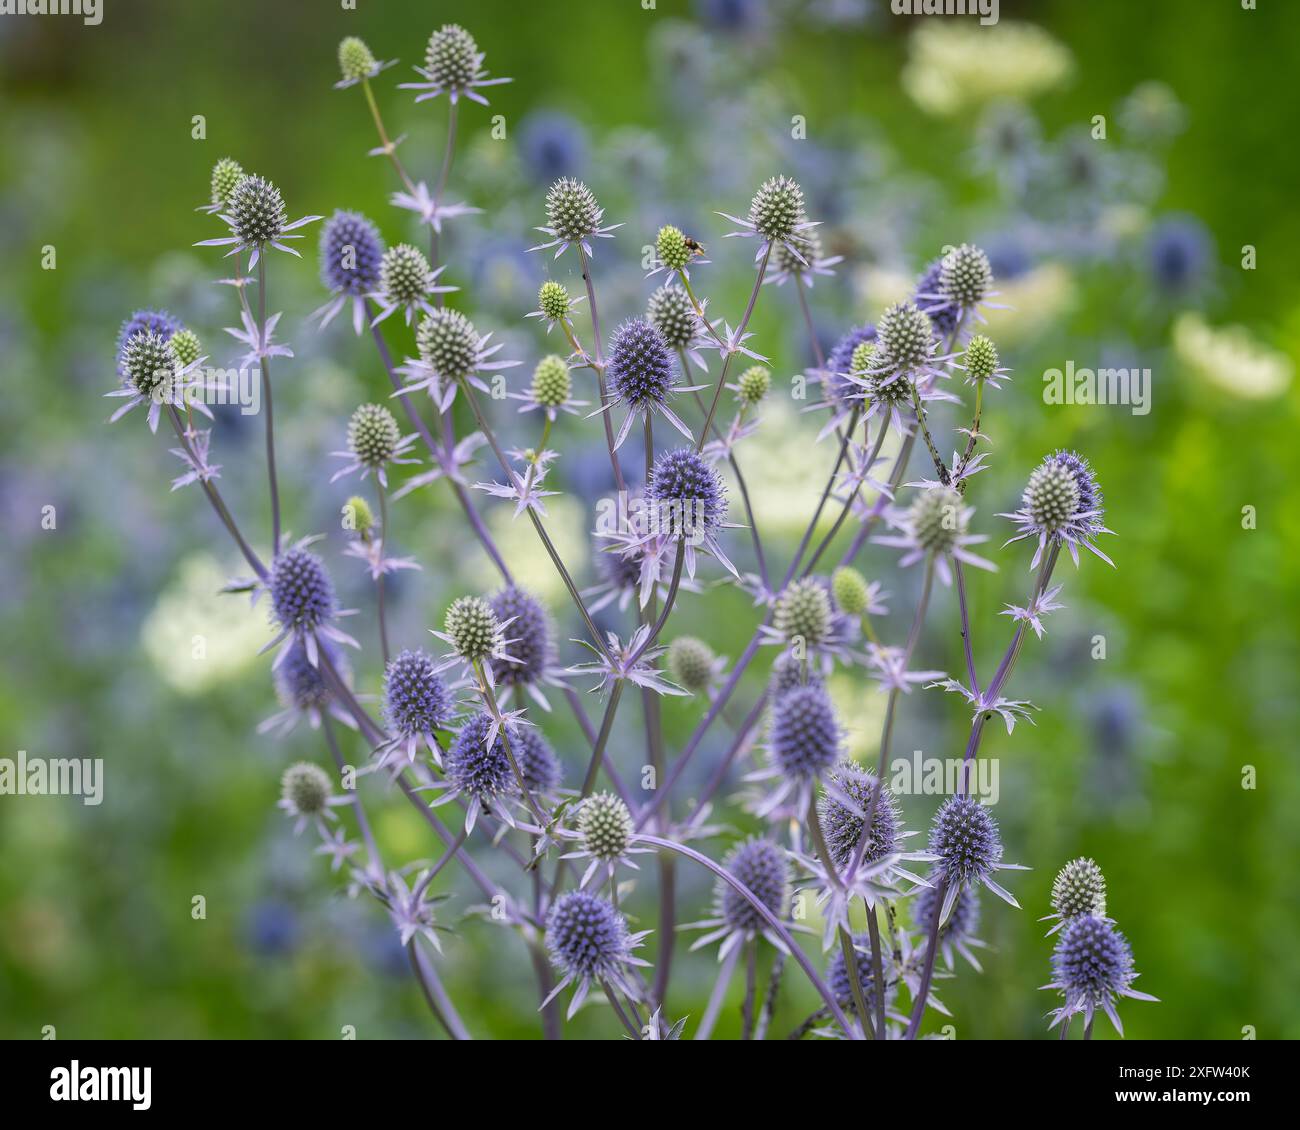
x=1137 y=759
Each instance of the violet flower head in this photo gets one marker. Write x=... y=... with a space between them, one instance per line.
x=351 y=252
x=642 y=374
x=967 y=846
x=159 y=321
x=303 y=692
x=934 y=303
x=416 y=703
x=1062 y=504
x=257 y=218
x=957 y=933
x=303 y=603
x=453 y=65
x=841 y=984
x=538 y=765
x=804 y=740
x=1092 y=966
x=763 y=866
x=690 y=494
x=588 y=941
x=532 y=662
x=478 y=769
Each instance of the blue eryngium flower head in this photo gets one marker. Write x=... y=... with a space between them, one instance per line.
x=692 y=663
x=303 y=692
x=572 y=217
x=1180 y=253
x=843 y=823
x=764 y=867
x=532 y=643
x=552 y=145
x=477 y=770
x=805 y=737
x=448 y=344
x=965 y=276
x=906 y=338
x=931 y=300
x=350 y=253
x=472 y=628
x=538 y=764
x=957 y=933
x=416 y=701
x=256 y=215
x=1062 y=503
x=588 y=940
x=777 y=210
x=965 y=839
x=640 y=366
x=303 y=603
x=803 y=612
x=159 y=321
x=836 y=387
x=689 y=493
x=790 y=671
x=1092 y=966
x=839 y=982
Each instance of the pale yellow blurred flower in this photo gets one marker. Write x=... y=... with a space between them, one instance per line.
x=1231 y=358
x=1034 y=302
x=198 y=637
x=956 y=66
x=566 y=523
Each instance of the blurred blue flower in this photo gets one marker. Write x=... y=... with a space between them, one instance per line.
x=553 y=145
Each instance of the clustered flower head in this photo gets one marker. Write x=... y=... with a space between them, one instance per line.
x=187 y=347
x=448 y=344
x=538 y=765
x=356 y=61
x=472 y=628
x=841 y=983
x=532 y=646
x=226 y=173
x=850 y=590
x=605 y=825
x=478 y=768
x=967 y=845
x=416 y=701
x=1079 y=888
x=956 y=932
x=965 y=276
x=1062 y=503
x=640 y=365
x=453 y=65
x=753 y=384
x=672 y=248
x=981 y=358
x=805 y=736
x=670 y=311
x=690 y=493
x=931 y=300
x=573 y=218
x=803 y=612
x=1092 y=966
x=552 y=382
x=906 y=338
x=777 y=210
x=302 y=602
x=373 y=434
x=553 y=301
x=588 y=941
x=763 y=866
x=691 y=663
x=149 y=360
x=851 y=793
x=305 y=794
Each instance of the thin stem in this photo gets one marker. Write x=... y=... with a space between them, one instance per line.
x=821 y=505
x=270 y=409
x=214 y=497
x=598 y=363
x=379 y=581
x=447 y=154
x=389 y=148
x=848 y=502
x=632 y=1029
x=877 y=972
x=965 y=627
x=436 y=995
x=598 y=751
x=725 y=969
x=808 y=323
x=751 y=989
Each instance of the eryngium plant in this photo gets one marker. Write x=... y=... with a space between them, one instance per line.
x=464 y=732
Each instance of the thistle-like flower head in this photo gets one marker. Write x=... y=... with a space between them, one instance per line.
x=938 y=519
x=351 y=253
x=588 y=940
x=763 y=866
x=906 y=337
x=691 y=663
x=1092 y=966
x=1062 y=502
x=356 y=60
x=226 y=173
x=850 y=590
x=552 y=383
x=1079 y=888
x=475 y=768
x=538 y=764
x=149 y=362
x=473 y=628
x=790 y=671
x=416 y=700
x=965 y=276
x=305 y=790
x=965 y=837
x=553 y=301
x=841 y=984
x=299 y=685
x=690 y=493
x=670 y=312
x=777 y=209
x=532 y=646
x=187 y=347
x=640 y=368
x=605 y=825
x=672 y=249
x=448 y=343
x=302 y=594
x=572 y=211
x=803 y=611
x=981 y=358
x=373 y=435
x=839 y=363
x=805 y=736
x=843 y=826
x=753 y=384
x=932 y=301
x=404 y=275
x=452 y=58
x=258 y=210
